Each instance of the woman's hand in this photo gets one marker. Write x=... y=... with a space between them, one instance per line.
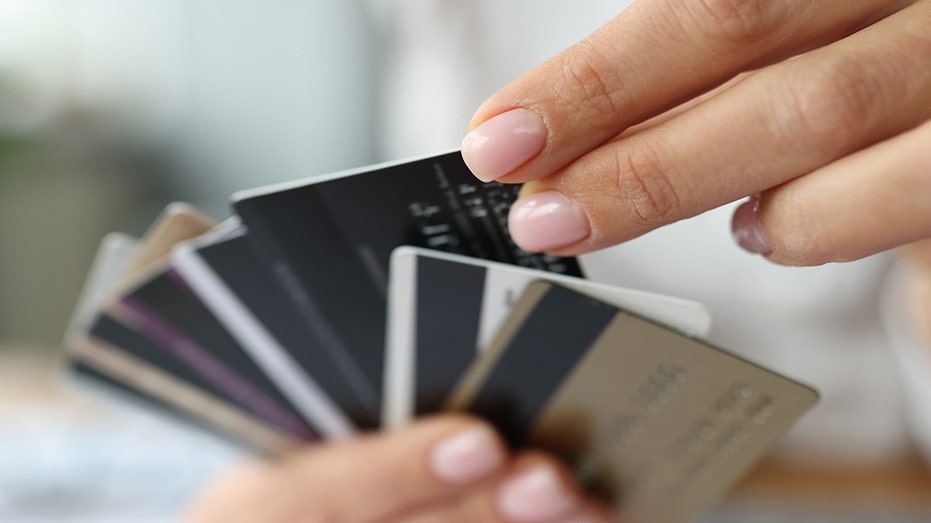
x=819 y=110
x=444 y=469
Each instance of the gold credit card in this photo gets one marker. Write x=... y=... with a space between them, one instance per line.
x=660 y=424
x=178 y=222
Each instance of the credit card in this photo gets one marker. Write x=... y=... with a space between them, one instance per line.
x=243 y=293
x=98 y=367
x=115 y=253
x=443 y=308
x=106 y=368
x=178 y=222
x=163 y=308
x=330 y=239
x=658 y=423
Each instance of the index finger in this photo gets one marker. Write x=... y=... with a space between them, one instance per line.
x=781 y=123
x=653 y=56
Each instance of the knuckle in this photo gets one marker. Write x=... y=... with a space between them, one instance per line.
x=831 y=106
x=739 y=21
x=645 y=187
x=592 y=84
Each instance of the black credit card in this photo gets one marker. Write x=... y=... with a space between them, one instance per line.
x=174 y=318
x=245 y=295
x=330 y=240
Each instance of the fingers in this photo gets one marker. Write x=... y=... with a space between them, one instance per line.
x=779 y=123
x=361 y=480
x=681 y=108
x=650 y=58
x=866 y=203
x=535 y=488
x=447 y=469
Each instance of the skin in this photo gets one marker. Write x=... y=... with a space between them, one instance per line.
x=385 y=477
x=818 y=111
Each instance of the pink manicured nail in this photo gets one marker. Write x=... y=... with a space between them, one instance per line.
x=535 y=495
x=467 y=456
x=503 y=143
x=748 y=229
x=546 y=221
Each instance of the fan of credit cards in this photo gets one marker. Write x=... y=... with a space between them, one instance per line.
x=367 y=298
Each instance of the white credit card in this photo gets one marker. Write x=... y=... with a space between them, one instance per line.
x=444 y=308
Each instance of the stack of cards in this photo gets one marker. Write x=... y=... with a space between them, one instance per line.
x=368 y=298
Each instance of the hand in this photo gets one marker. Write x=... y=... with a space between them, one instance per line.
x=819 y=110
x=444 y=469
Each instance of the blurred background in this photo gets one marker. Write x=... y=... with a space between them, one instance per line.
x=110 y=109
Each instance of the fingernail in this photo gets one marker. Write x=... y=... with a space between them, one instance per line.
x=537 y=494
x=748 y=229
x=503 y=143
x=467 y=456
x=545 y=221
